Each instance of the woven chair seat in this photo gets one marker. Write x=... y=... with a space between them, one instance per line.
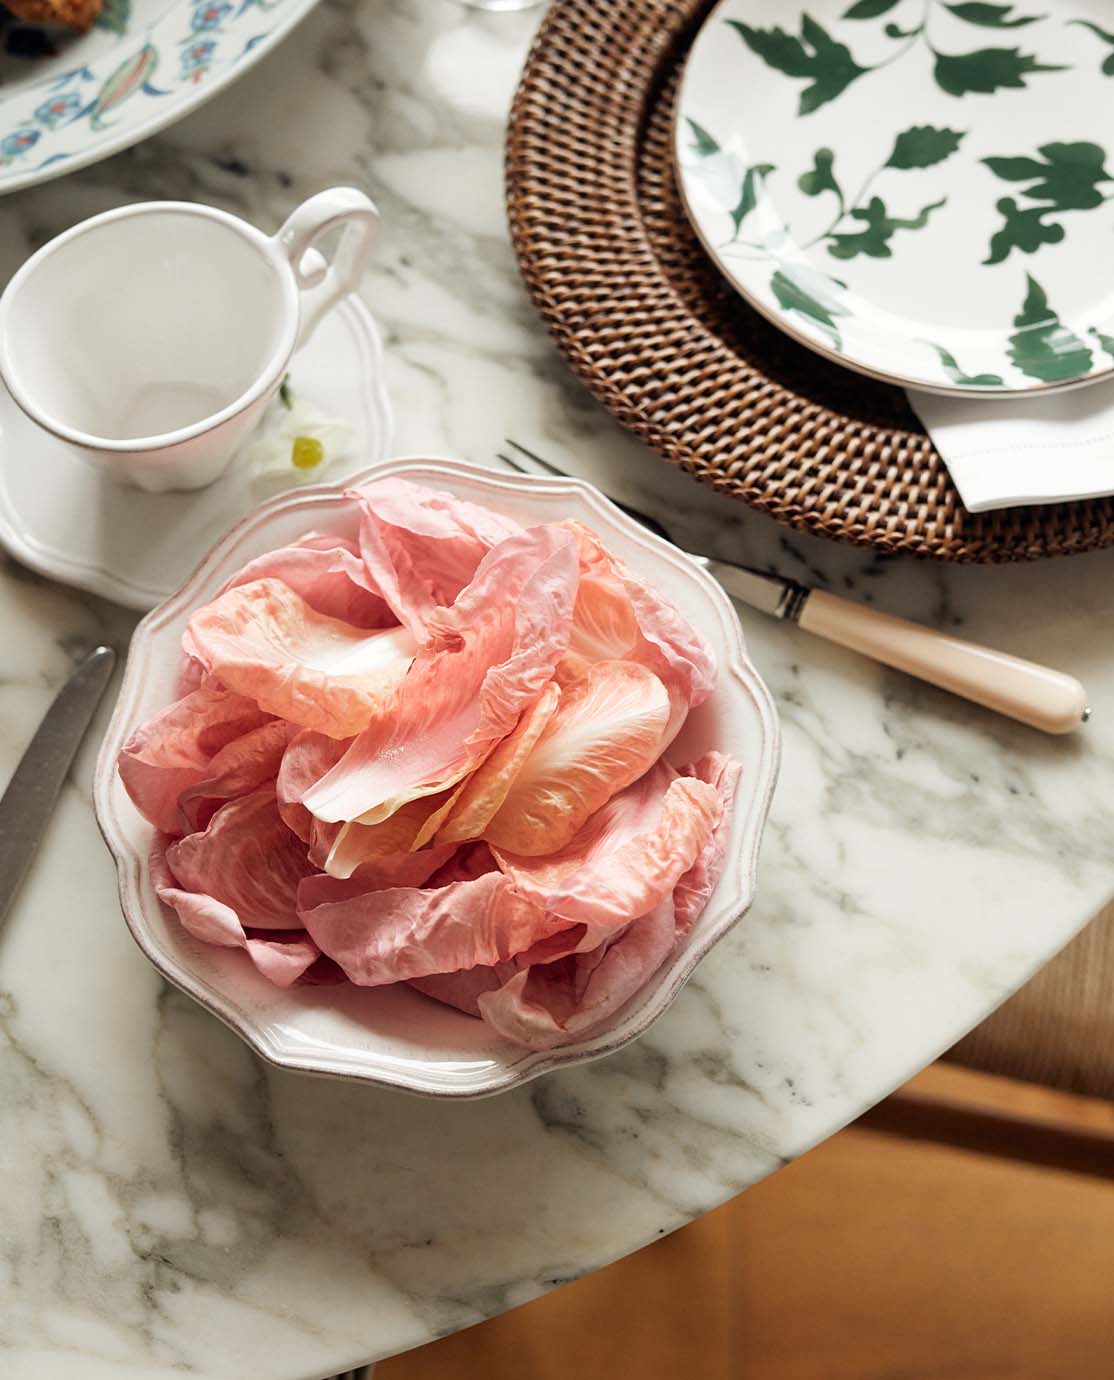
x=1058 y=1030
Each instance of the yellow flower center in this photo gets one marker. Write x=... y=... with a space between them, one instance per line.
x=306 y=453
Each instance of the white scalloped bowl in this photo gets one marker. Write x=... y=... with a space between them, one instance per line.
x=394 y=1037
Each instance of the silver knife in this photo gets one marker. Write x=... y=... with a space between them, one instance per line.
x=28 y=802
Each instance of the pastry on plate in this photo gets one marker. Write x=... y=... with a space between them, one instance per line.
x=74 y=14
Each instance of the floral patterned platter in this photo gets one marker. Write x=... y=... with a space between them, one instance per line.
x=67 y=100
x=917 y=189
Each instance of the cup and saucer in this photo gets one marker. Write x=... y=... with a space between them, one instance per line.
x=146 y=352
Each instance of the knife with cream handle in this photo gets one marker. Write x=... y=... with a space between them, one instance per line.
x=1022 y=690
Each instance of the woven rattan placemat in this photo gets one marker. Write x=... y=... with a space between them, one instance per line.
x=645 y=319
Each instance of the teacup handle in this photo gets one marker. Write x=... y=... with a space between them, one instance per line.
x=320 y=283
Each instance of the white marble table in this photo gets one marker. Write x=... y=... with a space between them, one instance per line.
x=168 y=1205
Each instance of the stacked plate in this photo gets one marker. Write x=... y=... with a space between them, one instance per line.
x=913 y=190
x=916 y=191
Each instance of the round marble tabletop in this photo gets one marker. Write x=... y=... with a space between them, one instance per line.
x=170 y=1206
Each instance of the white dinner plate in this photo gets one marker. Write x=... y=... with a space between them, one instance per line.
x=918 y=189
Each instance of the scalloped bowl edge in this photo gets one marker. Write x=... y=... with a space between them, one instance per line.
x=147 y=919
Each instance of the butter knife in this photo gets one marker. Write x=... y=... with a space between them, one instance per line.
x=28 y=802
x=1033 y=694
x=1023 y=690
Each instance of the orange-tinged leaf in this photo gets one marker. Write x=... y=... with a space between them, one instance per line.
x=410 y=827
x=265 y=642
x=482 y=793
x=606 y=732
x=604 y=626
x=329 y=575
x=619 y=616
x=626 y=857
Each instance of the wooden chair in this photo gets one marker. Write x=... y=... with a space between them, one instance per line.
x=1056 y=1033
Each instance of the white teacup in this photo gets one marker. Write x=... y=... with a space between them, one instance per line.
x=151 y=338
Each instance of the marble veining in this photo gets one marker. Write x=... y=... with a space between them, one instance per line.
x=169 y=1206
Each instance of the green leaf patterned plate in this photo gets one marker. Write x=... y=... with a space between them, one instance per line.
x=918 y=189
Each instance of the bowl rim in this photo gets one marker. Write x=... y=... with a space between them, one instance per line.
x=634 y=1020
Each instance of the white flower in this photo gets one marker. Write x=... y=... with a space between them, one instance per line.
x=297 y=441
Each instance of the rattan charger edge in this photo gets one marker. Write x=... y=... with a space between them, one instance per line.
x=645 y=319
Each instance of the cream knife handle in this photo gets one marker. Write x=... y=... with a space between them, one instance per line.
x=1032 y=694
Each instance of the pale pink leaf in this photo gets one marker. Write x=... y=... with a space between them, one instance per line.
x=695 y=887
x=248 y=860
x=422 y=546
x=191 y=676
x=393 y=935
x=488 y=658
x=172 y=752
x=464 y=864
x=307 y=758
x=549 y=1004
x=463 y=990
x=283 y=957
x=240 y=767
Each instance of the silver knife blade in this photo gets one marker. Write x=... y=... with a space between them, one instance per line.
x=28 y=802
x=770 y=594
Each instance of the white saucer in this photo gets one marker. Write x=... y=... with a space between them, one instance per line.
x=70 y=522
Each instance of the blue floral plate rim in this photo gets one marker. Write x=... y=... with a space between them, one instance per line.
x=150 y=75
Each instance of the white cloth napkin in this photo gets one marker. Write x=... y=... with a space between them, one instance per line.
x=1039 y=449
